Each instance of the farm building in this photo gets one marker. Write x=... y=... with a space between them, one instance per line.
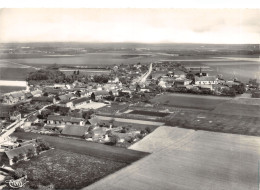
x=20 y=153
x=67 y=97
x=12 y=98
x=80 y=101
x=44 y=99
x=65 y=120
x=98 y=95
x=205 y=80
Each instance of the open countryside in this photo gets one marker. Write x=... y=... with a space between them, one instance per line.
x=188 y=159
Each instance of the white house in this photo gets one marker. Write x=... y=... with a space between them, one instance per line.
x=205 y=80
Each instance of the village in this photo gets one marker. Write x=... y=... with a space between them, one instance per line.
x=113 y=110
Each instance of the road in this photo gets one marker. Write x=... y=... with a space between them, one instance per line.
x=11 y=128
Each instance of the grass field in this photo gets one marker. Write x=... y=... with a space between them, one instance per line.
x=88 y=148
x=186 y=160
x=189 y=101
x=67 y=170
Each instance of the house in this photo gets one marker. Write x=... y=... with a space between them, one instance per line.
x=31 y=120
x=65 y=120
x=66 y=97
x=16 y=115
x=99 y=133
x=99 y=95
x=94 y=121
x=20 y=153
x=28 y=95
x=205 y=80
x=14 y=97
x=75 y=131
x=53 y=91
x=66 y=103
x=44 y=99
x=36 y=93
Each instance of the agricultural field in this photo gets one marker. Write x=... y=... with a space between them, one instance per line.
x=14 y=73
x=87 y=148
x=85 y=71
x=188 y=159
x=66 y=170
x=7 y=89
x=149 y=113
x=209 y=121
x=238 y=109
x=190 y=101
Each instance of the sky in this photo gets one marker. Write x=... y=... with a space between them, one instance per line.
x=218 y=26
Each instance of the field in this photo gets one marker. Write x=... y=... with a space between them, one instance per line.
x=85 y=71
x=238 y=109
x=14 y=73
x=92 y=105
x=67 y=170
x=188 y=159
x=7 y=89
x=236 y=124
x=189 y=101
x=149 y=113
x=88 y=148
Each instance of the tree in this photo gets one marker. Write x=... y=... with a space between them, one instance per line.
x=191 y=76
x=45 y=94
x=42 y=144
x=15 y=159
x=148 y=130
x=19 y=173
x=30 y=153
x=20 y=156
x=113 y=139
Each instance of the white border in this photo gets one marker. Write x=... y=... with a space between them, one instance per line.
x=130 y=4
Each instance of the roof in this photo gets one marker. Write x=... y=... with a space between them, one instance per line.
x=43 y=99
x=179 y=72
x=20 y=150
x=94 y=120
x=74 y=130
x=64 y=118
x=28 y=95
x=32 y=118
x=101 y=93
x=36 y=92
x=206 y=78
x=80 y=100
x=33 y=141
x=17 y=94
